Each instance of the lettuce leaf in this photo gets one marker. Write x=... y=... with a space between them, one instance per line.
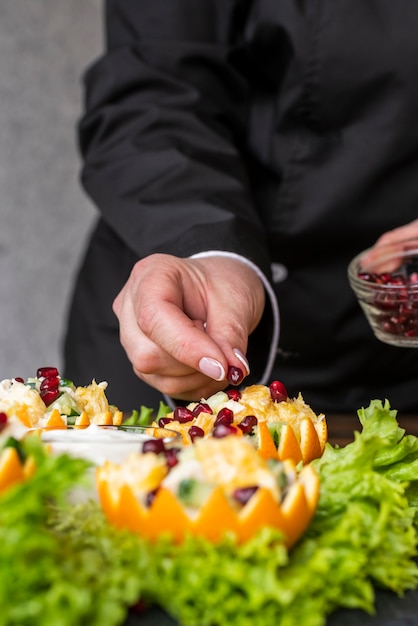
x=67 y=565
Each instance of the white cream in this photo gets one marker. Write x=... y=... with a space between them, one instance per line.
x=97 y=444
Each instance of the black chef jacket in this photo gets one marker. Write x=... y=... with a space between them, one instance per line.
x=285 y=131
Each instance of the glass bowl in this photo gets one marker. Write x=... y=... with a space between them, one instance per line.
x=99 y=444
x=385 y=281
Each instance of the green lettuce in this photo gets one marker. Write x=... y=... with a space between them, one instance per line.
x=67 y=564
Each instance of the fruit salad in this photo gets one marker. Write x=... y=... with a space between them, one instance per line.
x=50 y=401
x=282 y=427
x=216 y=486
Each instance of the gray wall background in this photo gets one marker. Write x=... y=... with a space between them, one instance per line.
x=45 y=218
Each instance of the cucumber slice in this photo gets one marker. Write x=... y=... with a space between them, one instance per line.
x=194 y=493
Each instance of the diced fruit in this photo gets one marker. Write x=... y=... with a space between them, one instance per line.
x=278 y=391
x=234 y=492
x=193 y=492
x=44 y=372
x=55 y=420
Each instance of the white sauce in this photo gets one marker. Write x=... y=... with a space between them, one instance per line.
x=97 y=444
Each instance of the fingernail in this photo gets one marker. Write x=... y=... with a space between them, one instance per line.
x=212 y=368
x=242 y=358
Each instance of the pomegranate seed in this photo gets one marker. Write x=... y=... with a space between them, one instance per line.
x=248 y=423
x=225 y=416
x=49 y=396
x=45 y=372
x=163 y=421
x=183 y=415
x=19 y=379
x=243 y=494
x=223 y=430
x=171 y=456
x=202 y=407
x=3 y=420
x=150 y=497
x=153 y=445
x=394 y=310
x=51 y=382
x=234 y=394
x=234 y=375
x=278 y=391
x=195 y=432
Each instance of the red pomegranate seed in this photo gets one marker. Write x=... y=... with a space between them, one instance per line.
x=195 y=432
x=19 y=379
x=3 y=420
x=171 y=456
x=234 y=394
x=243 y=494
x=234 y=375
x=153 y=445
x=247 y=424
x=278 y=391
x=202 y=407
x=163 y=421
x=150 y=497
x=183 y=415
x=223 y=430
x=44 y=372
x=51 y=382
x=49 y=395
x=225 y=416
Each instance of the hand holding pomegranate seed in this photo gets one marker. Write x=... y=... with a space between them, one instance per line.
x=185 y=323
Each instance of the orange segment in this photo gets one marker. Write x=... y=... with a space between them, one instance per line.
x=321 y=428
x=11 y=470
x=166 y=515
x=260 y=511
x=266 y=445
x=23 y=415
x=104 y=418
x=55 y=420
x=82 y=420
x=296 y=513
x=117 y=418
x=310 y=480
x=289 y=447
x=215 y=517
x=309 y=442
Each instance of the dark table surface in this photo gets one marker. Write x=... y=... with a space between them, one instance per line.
x=390 y=609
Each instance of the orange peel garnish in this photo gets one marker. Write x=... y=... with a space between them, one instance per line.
x=167 y=515
x=12 y=470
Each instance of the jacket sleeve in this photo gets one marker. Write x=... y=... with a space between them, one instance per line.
x=164 y=129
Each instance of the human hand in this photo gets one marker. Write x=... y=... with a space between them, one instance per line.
x=383 y=256
x=183 y=322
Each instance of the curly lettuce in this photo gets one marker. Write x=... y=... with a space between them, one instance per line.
x=69 y=565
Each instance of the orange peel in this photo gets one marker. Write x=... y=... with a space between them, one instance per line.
x=216 y=516
x=12 y=470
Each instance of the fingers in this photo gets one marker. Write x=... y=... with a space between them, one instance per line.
x=183 y=324
x=180 y=327
x=385 y=255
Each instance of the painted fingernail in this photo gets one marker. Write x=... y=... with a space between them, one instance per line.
x=212 y=368
x=241 y=357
